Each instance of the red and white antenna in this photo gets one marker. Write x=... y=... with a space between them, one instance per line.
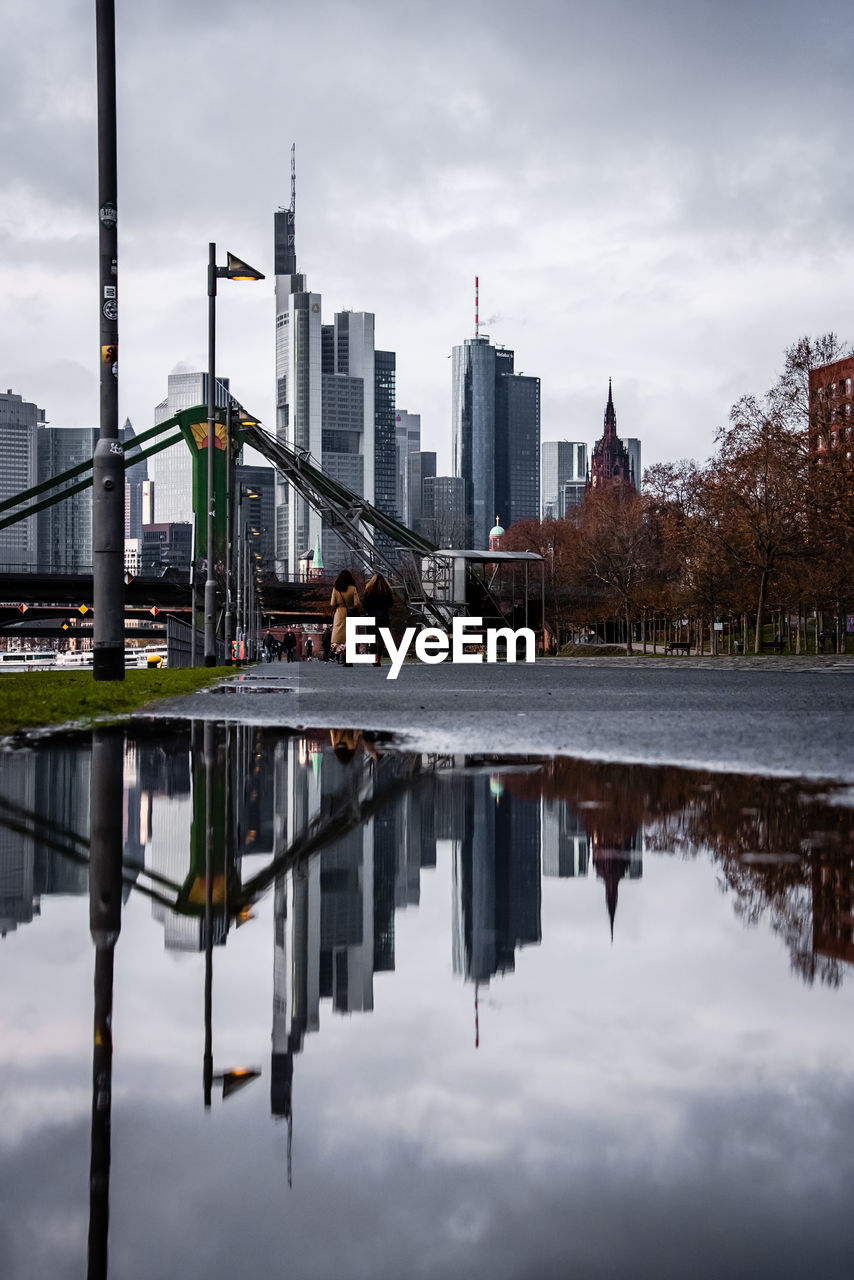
x=477 y=307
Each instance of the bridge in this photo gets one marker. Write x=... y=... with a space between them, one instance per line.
x=435 y=584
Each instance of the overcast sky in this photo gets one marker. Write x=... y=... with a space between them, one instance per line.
x=659 y=192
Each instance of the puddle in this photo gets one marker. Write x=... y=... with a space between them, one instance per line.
x=249 y=688
x=362 y=1003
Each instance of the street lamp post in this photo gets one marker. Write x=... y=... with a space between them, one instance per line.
x=229 y=535
x=238 y=608
x=234 y=270
x=232 y=598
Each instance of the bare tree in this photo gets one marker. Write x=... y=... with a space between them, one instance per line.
x=618 y=545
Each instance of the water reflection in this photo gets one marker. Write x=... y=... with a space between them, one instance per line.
x=335 y=830
x=345 y=824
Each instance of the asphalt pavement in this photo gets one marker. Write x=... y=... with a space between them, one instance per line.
x=784 y=716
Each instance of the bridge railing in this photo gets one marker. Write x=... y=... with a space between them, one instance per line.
x=179 y=644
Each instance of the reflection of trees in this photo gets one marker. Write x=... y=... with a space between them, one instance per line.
x=783 y=852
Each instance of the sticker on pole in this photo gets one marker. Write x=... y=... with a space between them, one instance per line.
x=108 y=214
x=111 y=309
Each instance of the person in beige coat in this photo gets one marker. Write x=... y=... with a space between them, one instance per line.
x=345 y=600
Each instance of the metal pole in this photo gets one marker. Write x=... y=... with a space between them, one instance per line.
x=238 y=606
x=210 y=581
x=193 y=599
x=229 y=533
x=543 y=602
x=108 y=473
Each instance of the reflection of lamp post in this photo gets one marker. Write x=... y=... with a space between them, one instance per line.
x=233 y=1078
x=235 y=270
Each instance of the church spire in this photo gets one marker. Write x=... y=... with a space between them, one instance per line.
x=610 y=414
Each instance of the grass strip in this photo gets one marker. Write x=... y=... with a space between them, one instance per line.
x=34 y=699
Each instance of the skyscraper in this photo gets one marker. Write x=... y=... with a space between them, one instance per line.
x=298 y=386
x=59 y=538
x=496 y=437
x=65 y=529
x=562 y=462
x=172 y=470
x=633 y=449
x=419 y=467
x=335 y=398
x=385 y=451
x=135 y=476
x=473 y=408
x=517 y=445
x=18 y=472
x=257 y=489
x=443 y=509
x=407 y=439
x=357 y=417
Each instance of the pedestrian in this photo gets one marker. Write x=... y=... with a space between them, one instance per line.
x=326 y=643
x=290 y=645
x=378 y=600
x=345 y=600
x=308 y=648
x=280 y=649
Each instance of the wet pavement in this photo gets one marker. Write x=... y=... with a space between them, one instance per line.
x=790 y=717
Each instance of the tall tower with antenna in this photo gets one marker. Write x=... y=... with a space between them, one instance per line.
x=298 y=383
x=496 y=433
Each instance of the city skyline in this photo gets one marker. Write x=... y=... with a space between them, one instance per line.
x=685 y=228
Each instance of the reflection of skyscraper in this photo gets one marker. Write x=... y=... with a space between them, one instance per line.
x=450 y=807
x=49 y=792
x=564 y=841
x=18 y=903
x=497 y=879
x=334 y=912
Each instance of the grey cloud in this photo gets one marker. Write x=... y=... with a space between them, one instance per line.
x=590 y=163
x=741 y=1187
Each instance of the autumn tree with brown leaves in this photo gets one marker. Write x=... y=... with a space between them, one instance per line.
x=618 y=546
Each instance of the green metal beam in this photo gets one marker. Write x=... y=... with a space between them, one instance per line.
x=77 y=488
x=45 y=485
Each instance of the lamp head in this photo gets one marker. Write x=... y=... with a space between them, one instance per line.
x=237 y=269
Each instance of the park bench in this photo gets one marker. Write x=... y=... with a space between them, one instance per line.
x=678 y=646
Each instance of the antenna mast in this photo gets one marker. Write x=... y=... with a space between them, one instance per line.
x=293 y=177
x=477 y=307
